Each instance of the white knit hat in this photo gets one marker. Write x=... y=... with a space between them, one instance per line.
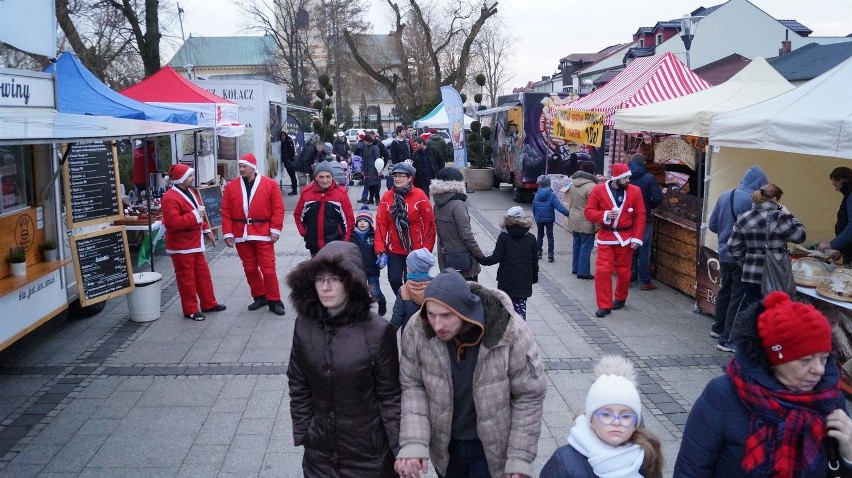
x=615 y=385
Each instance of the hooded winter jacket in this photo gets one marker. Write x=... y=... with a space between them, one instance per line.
x=453 y=222
x=581 y=187
x=509 y=387
x=323 y=216
x=722 y=220
x=516 y=251
x=646 y=182
x=343 y=374
x=545 y=204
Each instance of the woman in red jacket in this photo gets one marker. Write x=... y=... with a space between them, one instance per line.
x=404 y=222
x=186 y=225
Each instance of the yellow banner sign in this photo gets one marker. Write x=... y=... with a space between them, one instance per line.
x=584 y=127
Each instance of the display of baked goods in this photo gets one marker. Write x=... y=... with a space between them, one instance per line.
x=837 y=286
x=824 y=256
x=809 y=272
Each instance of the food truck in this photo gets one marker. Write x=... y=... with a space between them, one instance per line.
x=59 y=184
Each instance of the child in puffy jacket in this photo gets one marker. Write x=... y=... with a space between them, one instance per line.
x=364 y=236
x=411 y=293
x=544 y=206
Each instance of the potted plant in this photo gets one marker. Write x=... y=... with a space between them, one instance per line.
x=480 y=173
x=18 y=261
x=48 y=250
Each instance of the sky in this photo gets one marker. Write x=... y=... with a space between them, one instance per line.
x=546 y=30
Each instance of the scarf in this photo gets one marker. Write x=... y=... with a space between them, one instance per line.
x=399 y=212
x=607 y=461
x=786 y=427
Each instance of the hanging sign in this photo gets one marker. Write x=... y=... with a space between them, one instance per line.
x=584 y=127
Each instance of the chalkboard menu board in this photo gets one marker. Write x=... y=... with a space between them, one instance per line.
x=91 y=184
x=211 y=196
x=102 y=264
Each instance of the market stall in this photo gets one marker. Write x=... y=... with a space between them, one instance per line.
x=676 y=220
x=797 y=138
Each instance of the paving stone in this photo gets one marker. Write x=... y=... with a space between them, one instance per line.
x=245 y=454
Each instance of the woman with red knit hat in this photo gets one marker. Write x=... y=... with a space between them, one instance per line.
x=186 y=226
x=778 y=410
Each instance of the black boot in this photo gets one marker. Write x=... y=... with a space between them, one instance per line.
x=259 y=302
x=383 y=308
x=277 y=307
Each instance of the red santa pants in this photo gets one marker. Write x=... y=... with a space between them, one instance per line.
x=259 y=264
x=193 y=281
x=617 y=258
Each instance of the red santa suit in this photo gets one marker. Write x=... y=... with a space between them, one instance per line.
x=250 y=217
x=185 y=229
x=616 y=235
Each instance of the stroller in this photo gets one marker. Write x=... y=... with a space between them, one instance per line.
x=355 y=171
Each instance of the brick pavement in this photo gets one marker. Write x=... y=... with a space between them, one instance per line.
x=175 y=398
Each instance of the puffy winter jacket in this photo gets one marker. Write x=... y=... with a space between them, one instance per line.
x=516 y=252
x=323 y=216
x=453 y=222
x=722 y=221
x=420 y=217
x=581 y=187
x=366 y=242
x=545 y=204
x=645 y=181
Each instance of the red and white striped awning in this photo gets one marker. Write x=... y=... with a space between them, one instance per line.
x=646 y=80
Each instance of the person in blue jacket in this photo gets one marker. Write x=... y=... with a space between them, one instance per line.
x=364 y=236
x=651 y=194
x=778 y=410
x=608 y=439
x=544 y=207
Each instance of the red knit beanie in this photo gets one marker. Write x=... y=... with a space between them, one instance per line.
x=791 y=330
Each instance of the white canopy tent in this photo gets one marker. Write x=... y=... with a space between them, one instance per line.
x=690 y=114
x=437 y=118
x=797 y=138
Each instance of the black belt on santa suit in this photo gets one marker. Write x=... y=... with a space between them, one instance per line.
x=617 y=229
x=251 y=221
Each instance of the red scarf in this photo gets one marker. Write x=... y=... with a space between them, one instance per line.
x=786 y=427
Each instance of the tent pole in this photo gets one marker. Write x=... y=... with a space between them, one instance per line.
x=148 y=197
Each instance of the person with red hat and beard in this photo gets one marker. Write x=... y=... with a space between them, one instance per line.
x=186 y=225
x=618 y=208
x=252 y=219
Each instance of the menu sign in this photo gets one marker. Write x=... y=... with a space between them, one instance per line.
x=212 y=198
x=102 y=264
x=91 y=184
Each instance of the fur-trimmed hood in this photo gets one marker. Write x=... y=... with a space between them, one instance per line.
x=443 y=191
x=498 y=310
x=516 y=221
x=339 y=258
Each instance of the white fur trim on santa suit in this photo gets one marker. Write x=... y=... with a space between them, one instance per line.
x=621 y=241
x=197 y=218
x=625 y=174
x=185 y=176
x=243 y=161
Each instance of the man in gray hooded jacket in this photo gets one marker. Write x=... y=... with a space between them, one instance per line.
x=473 y=385
x=731 y=203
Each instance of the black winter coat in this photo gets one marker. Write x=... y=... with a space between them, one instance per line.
x=369 y=154
x=517 y=253
x=343 y=374
x=641 y=178
x=566 y=462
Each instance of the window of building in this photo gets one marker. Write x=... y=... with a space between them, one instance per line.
x=641 y=42
x=16 y=188
x=659 y=38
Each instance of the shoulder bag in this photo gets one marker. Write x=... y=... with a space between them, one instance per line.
x=777 y=273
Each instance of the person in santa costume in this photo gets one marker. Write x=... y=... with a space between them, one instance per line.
x=252 y=219
x=618 y=208
x=186 y=225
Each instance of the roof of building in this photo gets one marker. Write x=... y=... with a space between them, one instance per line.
x=722 y=69
x=645 y=30
x=592 y=57
x=667 y=24
x=796 y=27
x=224 y=51
x=639 y=52
x=809 y=61
x=703 y=12
x=608 y=75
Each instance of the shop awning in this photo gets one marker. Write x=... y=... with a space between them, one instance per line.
x=690 y=114
x=41 y=126
x=645 y=80
x=497 y=109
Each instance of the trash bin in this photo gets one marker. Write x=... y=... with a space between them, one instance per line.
x=144 y=302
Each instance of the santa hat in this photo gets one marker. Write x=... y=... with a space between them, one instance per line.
x=249 y=160
x=365 y=214
x=791 y=330
x=179 y=173
x=620 y=170
x=615 y=385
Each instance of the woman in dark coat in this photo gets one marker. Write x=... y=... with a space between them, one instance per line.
x=453 y=220
x=344 y=370
x=773 y=411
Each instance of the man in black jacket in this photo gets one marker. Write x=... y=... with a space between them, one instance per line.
x=288 y=157
x=652 y=196
x=400 y=150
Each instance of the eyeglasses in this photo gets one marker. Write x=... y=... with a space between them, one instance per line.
x=331 y=280
x=400 y=175
x=607 y=418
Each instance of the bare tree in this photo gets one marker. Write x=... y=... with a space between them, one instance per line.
x=492 y=56
x=293 y=61
x=433 y=51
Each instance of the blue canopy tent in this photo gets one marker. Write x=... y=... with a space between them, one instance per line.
x=79 y=91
